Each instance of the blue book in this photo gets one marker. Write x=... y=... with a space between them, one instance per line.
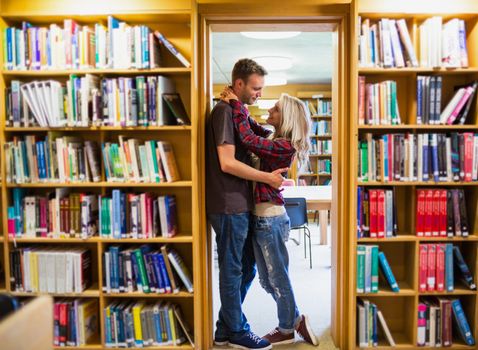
x=116 y=217
x=164 y=275
x=122 y=215
x=438 y=85
x=37 y=48
x=114 y=273
x=41 y=160
x=26 y=169
x=107 y=318
x=374 y=325
x=434 y=155
x=105 y=160
x=113 y=23
x=425 y=158
x=136 y=275
x=168 y=323
x=157 y=324
x=461 y=265
x=121 y=281
x=462 y=323
x=148 y=264
x=386 y=140
x=419 y=99
x=449 y=279
x=9 y=48
x=157 y=272
x=387 y=271
x=145 y=46
x=49 y=172
x=18 y=195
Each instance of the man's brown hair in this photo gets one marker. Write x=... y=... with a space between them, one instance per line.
x=244 y=68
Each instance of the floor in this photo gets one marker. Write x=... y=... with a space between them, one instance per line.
x=312 y=291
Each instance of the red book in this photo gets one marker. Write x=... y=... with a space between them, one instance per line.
x=423 y=268
x=381 y=214
x=43 y=202
x=149 y=214
x=56 y=324
x=63 y=324
x=431 y=273
x=436 y=213
x=419 y=223
x=373 y=213
x=390 y=157
x=440 y=267
x=468 y=166
x=427 y=227
x=443 y=213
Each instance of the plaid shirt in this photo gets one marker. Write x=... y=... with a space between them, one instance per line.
x=274 y=154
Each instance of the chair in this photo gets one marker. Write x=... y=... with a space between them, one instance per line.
x=296 y=209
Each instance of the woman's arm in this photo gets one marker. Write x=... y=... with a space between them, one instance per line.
x=261 y=146
x=258 y=129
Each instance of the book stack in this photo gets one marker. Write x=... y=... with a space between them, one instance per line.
x=137 y=215
x=369 y=258
x=76 y=46
x=324 y=107
x=324 y=166
x=321 y=147
x=53 y=270
x=419 y=157
x=368 y=319
x=441 y=213
x=91 y=101
x=385 y=44
x=443 y=44
x=135 y=160
x=321 y=128
x=54 y=158
x=75 y=322
x=435 y=322
x=376 y=213
x=140 y=324
x=438 y=263
x=144 y=270
x=378 y=103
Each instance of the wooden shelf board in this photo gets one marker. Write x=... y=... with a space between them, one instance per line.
x=321 y=136
x=388 y=293
x=449 y=239
x=102 y=128
x=398 y=238
x=321 y=116
x=320 y=155
x=53 y=240
x=67 y=72
x=417 y=183
x=457 y=291
x=418 y=127
x=181 y=294
x=91 y=292
x=87 y=347
x=418 y=70
x=325 y=175
x=307 y=175
x=179 y=238
x=102 y=184
x=163 y=347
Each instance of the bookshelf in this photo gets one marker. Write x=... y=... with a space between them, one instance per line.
x=177 y=21
x=400 y=310
x=319 y=104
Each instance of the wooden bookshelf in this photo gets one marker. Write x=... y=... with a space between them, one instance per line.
x=400 y=310
x=177 y=20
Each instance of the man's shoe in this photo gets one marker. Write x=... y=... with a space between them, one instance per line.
x=305 y=331
x=221 y=341
x=276 y=337
x=250 y=341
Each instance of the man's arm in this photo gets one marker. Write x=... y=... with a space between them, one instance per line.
x=230 y=165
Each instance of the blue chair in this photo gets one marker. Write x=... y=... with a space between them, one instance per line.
x=296 y=209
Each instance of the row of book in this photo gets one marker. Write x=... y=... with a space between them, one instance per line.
x=436 y=317
x=51 y=270
x=321 y=128
x=145 y=270
x=386 y=44
x=65 y=159
x=378 y=103
x=91 y=101
x=140 y=324
x=441 y=213
x=321 y=108
x=324 y=166
x=75 y=321
x=369 y=258
x=369 y=317
x=429 y=110
x=63 y=214
x=320 y=146
x=419 y=157
x=439 y=263
x=376 y=213
x=75 y=46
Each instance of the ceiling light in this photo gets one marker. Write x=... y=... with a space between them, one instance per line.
x=272 y=63
x=275 y=80
x=270 y=35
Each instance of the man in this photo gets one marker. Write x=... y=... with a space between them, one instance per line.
x=229 y=203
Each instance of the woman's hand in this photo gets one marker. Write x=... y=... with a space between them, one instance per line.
x=227 y=94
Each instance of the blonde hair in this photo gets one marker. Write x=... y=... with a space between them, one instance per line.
x=295 y=125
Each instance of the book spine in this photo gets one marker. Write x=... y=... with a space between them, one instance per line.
x=387 y=271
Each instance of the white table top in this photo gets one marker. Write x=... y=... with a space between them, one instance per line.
x=310 y=193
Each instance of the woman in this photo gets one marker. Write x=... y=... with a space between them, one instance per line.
x=291 y=122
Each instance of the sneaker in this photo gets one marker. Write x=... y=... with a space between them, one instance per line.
x=276 y=337
x=305 y=331
x=221 y=341
x=250 y=341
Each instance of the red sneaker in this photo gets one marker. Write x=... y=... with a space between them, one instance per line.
x=305 y=331
x=276 y=337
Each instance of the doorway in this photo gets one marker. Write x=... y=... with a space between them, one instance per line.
x=310 y=293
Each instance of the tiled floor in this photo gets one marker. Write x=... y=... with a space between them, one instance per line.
x=311 y=287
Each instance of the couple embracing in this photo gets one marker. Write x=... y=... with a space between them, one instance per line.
x=245 y=207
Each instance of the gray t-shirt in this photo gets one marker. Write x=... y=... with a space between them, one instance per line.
x=225 y=193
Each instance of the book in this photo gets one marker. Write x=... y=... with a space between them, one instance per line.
x=385 y=328
x=172 y=49
x=176 y=107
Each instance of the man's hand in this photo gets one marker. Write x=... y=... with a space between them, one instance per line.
x=276 y=178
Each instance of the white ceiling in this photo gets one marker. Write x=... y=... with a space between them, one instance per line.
x=311 y=54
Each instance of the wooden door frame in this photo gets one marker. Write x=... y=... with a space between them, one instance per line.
x=341 y=91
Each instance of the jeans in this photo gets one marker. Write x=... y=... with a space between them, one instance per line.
x=272 y=258
x=236 y=271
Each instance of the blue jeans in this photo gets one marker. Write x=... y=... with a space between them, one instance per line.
x=236 y=271
x=272 y=258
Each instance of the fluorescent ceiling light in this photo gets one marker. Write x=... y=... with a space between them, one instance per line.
x=270 y=35
x=272 y=63
x=275 y=80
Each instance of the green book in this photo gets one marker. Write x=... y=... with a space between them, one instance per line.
x=152 y=149
x=364 y=160
x=374 y=269
x=360 y=268
x=142 y=270
x=144 y=163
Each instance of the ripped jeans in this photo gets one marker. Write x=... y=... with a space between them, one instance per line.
x=272 y=259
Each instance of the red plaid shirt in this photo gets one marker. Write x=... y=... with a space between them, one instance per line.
x=274 y=154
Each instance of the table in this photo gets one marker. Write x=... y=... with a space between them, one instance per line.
x=318 y=198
